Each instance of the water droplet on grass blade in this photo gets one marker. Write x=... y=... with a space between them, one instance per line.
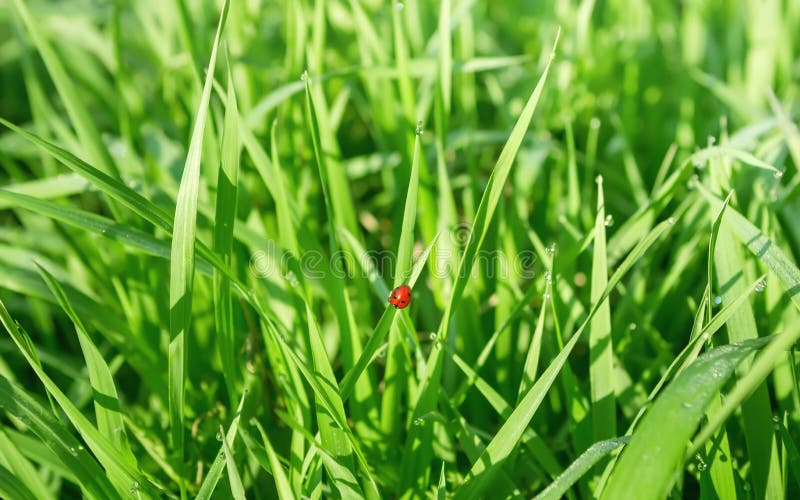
x=419 y=130
x=778 y=174
x=398 y=6
x=761 y=285
x=717 y=300
x=609 y=220
x=551 y=248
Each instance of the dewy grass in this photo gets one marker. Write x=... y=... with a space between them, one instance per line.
x=196 y=251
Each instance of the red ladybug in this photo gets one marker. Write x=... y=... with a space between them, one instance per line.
x=400 y=297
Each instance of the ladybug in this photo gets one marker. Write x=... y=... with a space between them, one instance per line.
x=400 y=297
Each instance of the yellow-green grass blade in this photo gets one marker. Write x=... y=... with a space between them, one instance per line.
x=81 y=118
x=182 y=259
x=646 y=468
x=572 y=474
x=418 y=448
x=224 y=220
x=237 y=489
x=118 y=470
x=506 y=439
x=601 y=352
x=108 y=413
x=57 y=186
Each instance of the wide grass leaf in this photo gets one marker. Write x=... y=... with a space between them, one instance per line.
x=647 y=466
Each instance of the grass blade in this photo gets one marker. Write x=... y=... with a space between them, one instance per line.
x=646 y=467
x=182 y=257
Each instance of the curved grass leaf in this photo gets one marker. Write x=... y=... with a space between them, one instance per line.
x=580 y=466
x=121 y=474
x=647 y=466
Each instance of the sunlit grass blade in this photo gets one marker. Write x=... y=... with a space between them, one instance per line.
x=601 y=352
x=648 y=463
x=182 y=258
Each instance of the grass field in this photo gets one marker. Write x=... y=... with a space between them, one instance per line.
x=205 y=207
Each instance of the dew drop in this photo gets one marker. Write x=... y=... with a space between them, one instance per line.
x=551 y=248
x=419 y=130
x=547 y=296
x=778 y=174
x=609 y=220
x=633 y=326
x=711 y=140
x=219 y=436
x=398 y=6
x=702 y=466
x=134 y=488
x=717 y=300
x=304 y=76
x=686 y=404
x=761 y=285
x=671 y=221
x=548 y=276
x=599 y=180
x=419 y=421
x=776 y=419
x=73 y=451
x=432 y=336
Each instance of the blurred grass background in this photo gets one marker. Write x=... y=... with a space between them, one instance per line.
x=340 y=127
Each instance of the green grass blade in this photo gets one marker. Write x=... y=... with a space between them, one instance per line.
x=503 y=443
x=418 y=449
x=11 y=487
x=82 y=120
x=282 y=484
x=182 y=258
x=237 y=489
x=601 y=352
x=22 y=468
x=224 y=220
x=119 y=472
x=646 y=467
x=106 y=402
x=572 y=474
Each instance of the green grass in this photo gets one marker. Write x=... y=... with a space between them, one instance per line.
x=205 y=205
